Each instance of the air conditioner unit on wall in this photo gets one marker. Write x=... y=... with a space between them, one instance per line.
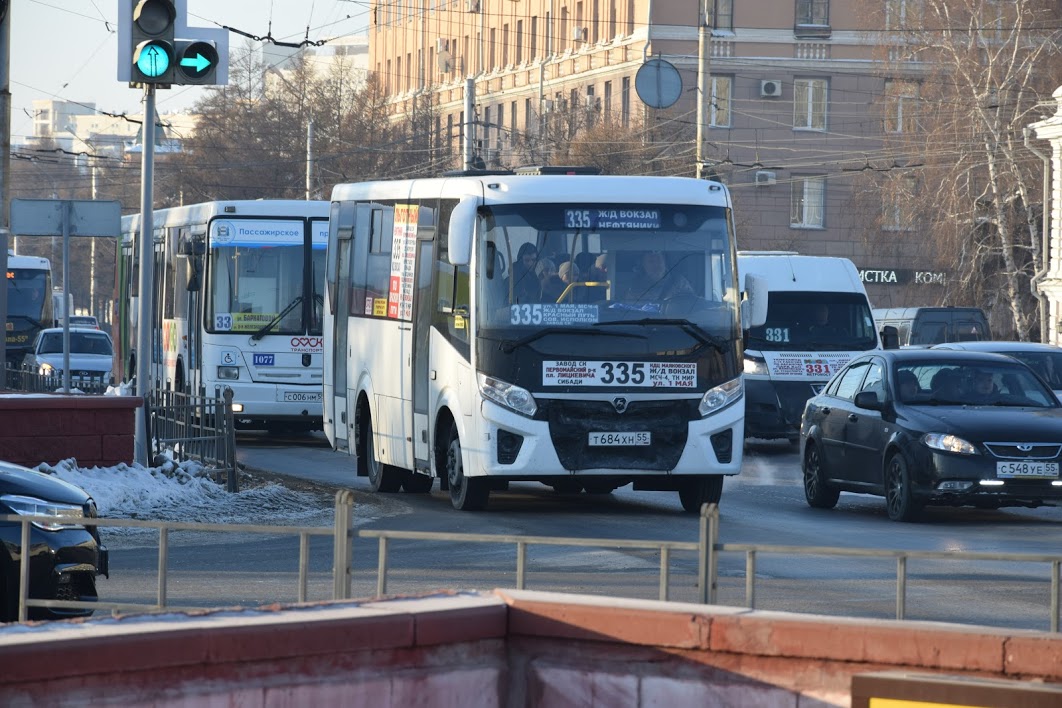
x=578 y=34
x=765 y=178
x=770 y=88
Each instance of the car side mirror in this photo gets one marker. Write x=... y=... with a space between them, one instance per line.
x=869 y=400
x=890 y=337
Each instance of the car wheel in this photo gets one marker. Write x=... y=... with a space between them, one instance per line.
x=698 y=491
x=466 y=493
x=382 y=478
x=417 y=483
x=899 y=500
x=817 y=492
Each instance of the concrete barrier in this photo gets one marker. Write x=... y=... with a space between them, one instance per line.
x=504 y=648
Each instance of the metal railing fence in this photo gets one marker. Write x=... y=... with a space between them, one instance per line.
x=29 y=381
x=195 y=427
x=706 y=547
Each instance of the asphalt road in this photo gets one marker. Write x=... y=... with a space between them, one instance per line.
x=763 y=505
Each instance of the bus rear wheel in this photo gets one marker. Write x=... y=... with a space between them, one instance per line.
x=382 y=478
x=697 y=491
x=466 y=493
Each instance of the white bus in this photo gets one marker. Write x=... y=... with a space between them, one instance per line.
x=445 y=359
x=238 y=301
x=29 y=303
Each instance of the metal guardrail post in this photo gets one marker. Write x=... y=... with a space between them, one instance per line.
x=1056 y=566
x=164 y=557
x=901 y=586
x=702 y=557
x=665 y=570
x=343 y=544
x=521 y=564
x=304 y=564
x=381 y=567
x=229 y=443
x=750 y=579
x=23 y=573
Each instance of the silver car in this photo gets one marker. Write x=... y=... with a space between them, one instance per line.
x=91 y=354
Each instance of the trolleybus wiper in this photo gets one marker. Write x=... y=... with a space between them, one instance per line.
x=273 y=322
x=509 y=347
x=688 y=327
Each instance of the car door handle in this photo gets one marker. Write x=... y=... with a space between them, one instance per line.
x=852 y=417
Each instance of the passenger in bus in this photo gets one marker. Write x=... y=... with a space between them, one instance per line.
x=655 y=281
x=821 y=323
x=568 y=273
x=551 y=283
x=525 y=281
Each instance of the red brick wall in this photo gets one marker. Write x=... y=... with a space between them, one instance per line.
x=97 y=431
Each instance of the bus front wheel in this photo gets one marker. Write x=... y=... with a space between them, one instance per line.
x=697 y=491
x=466 y=493
x=382 y=478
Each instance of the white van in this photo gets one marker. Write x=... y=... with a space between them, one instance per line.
x=818 y=317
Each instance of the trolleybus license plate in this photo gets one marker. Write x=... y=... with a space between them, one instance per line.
x=1026 y=469
x=618 y=439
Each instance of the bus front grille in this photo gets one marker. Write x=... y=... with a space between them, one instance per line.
x=571 y=422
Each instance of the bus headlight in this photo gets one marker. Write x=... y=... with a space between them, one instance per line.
x=228 y=373
x=721 y=396
x=505 y=394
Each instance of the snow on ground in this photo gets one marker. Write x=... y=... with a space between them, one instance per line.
x=185 y=491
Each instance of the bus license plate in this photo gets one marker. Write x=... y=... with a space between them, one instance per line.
x=619 y=439
x=1026 y=469
x=302 y=397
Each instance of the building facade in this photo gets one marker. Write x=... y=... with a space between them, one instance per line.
x=799 y=108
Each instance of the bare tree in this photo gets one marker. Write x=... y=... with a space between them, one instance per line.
x=978 y=72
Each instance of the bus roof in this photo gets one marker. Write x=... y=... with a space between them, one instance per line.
x=201 y=213
x=523 y=189
x=28 y=262
x=788 y=270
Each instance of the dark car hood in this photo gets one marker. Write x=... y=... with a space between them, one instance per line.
x=992 y=423
x=15 y=479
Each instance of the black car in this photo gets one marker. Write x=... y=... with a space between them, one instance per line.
x=926 y=426
x=66 y=557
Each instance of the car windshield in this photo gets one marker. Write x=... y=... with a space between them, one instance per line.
x=966 y=382
x=801 y=321
x=80 y=343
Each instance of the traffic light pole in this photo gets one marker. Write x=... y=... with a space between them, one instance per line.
x=144 y=320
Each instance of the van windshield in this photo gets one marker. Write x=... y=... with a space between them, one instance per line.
x=814 y=321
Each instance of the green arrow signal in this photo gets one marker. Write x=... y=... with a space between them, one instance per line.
x=200 y=62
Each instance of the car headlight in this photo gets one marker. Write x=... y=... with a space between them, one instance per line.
x=228 y=373
x=949 y=443
x=31 y=506
x=755 y=367
x=505 y=394
x=721 y=396
x=46 y=369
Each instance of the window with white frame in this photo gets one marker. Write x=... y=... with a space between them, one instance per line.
x=808 y=202
x=813 y=12
x=809 y=104
x=901 y=106
x=897 y=197
x=903 y=14
x=719 y=108
x=720 y=14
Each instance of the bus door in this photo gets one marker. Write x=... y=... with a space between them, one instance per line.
x=423 y=307
x=340 y=358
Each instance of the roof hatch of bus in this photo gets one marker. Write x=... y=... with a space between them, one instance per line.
x=558 y=170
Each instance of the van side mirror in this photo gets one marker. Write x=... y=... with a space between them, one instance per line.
x=890 y=337
x=460 y=231
x=754 y=306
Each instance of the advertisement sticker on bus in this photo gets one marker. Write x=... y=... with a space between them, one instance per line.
x=805 y=365
x=307 y=345
x=641 y=374
x=403 y=257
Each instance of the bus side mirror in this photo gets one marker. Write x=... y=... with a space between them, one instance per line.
x=754 y=306
x=890 y=337
x=459 y=234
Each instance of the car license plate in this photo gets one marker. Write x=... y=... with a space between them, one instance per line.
x=1026 y=469
x=302 y=397
x=619 y=439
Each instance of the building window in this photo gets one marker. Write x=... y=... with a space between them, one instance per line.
x=606 y=102
x=901 y=107
x=897 y=198
x=808 y=200
x=813 y=12
x=630 y=17
x=519 y=41
x=625 y=102
x=491 y=53
x=809 y=104
x=512 y=123
x=505 y=45
x=903 y=14
x=527 y=117
x=721 y=14
x=533 y=54
x=501 y=126
x=719 y=108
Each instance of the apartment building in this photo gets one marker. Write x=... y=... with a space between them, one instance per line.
x=798 y=112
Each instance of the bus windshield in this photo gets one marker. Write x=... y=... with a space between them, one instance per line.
x=822 y=321
x=559 y=267
x=256 y=279
x=27 y=291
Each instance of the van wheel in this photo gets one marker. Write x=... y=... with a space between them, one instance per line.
x=466 y=493
x=382 y=478
x=695 y=492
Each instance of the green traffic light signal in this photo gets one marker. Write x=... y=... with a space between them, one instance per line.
x=152 y=59
x=152 y=42
x=197 y=62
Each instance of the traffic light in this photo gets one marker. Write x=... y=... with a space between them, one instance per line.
x=152 y=42
x=197 y=62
